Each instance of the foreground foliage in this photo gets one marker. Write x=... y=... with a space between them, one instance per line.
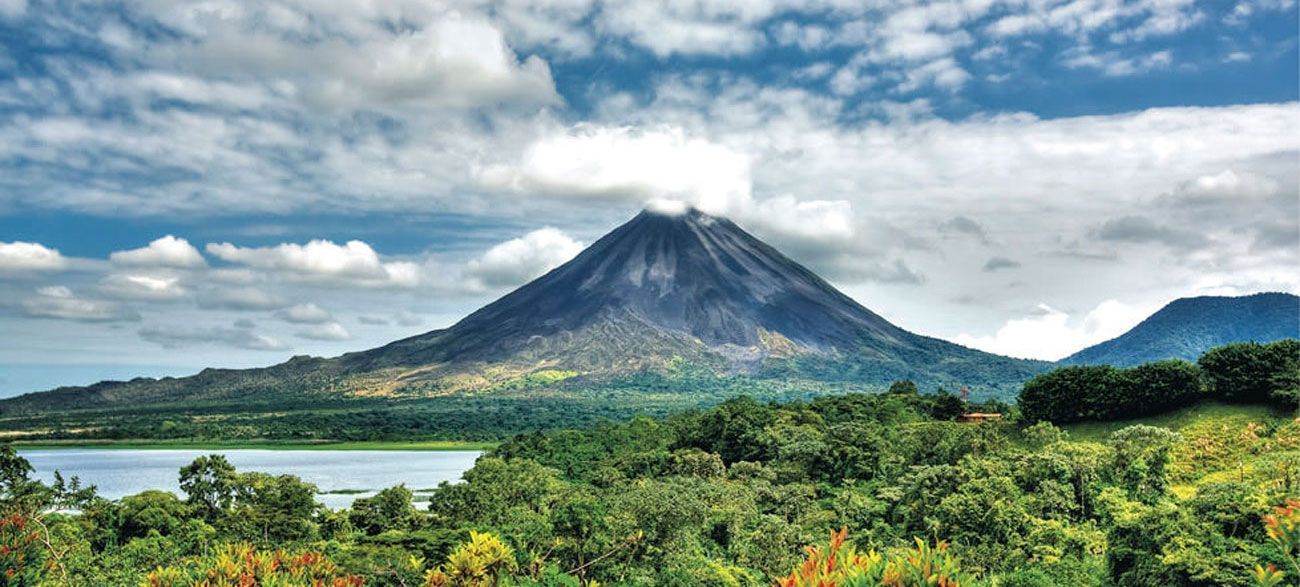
x=727 y=496
x=241 y=565
x=842 y=565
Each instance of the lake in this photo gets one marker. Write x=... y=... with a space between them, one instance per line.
x=359 y=473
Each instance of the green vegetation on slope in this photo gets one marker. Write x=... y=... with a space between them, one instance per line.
x=731 y=495
x=477 y=418
x=1240 y=373
x=430 y=445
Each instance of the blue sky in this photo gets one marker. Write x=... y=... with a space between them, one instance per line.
x=228 y=183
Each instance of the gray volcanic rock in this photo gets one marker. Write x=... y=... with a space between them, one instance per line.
x=688 y=276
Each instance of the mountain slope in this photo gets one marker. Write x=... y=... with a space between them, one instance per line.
x=689 y=276
x=1187 y=327
x=660 y=291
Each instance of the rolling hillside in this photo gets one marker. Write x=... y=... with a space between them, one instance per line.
x=1187 y=327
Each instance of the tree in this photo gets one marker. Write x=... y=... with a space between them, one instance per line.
x=1155 y=388
x=274 y=508
x=1068 y=394
x=209 y=484
x=390 y=509
x=581 y=522
x=946 y=406
x=1102 y=392
x=1141 y=455
x=903 y=387
x=27 y=549
x=151 y=512
x=1253 y=372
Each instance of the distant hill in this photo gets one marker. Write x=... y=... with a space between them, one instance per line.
x=665 y=294
x=1187 y=327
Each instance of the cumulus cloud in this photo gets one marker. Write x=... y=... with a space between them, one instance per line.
x=666 y=166
x=455 y=61
x=354 y=263
x=1140 y=229
x=341 y=58
x=1050 y=334
x=240 y=299
x=522 y=259
x=167 y=251
x=240 y=337
x=1226 y=186
x=329 y=331
x=143 y=286
x=629 y=164
x=308 y=313
x=24 y=256
x=849 y=161
x=689 y=28
x=59 y=302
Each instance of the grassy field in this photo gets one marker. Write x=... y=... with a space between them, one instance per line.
x=1220 y=442
x=432 y=445
x=1179 y=419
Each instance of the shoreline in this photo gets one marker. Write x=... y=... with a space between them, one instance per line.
x=358 y=445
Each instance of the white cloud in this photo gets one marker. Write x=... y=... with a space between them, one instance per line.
x=944 y=74
x=167 y=251
x=454 y=61
x=1229 y=184
x=330 y=331
x=239 y=337
x=240 y=298
x=523 y=259
x=60 y=303
x=666 y=165
x=345 y=57
x=142 y=286
x=1051 y=334
x=25 y=256
x=629 y=164
x=353 y=263
x=823 y=221
x=304 y=314
x=1116 y=64
x=667 y=27
x=12 y=8
x=432 y=108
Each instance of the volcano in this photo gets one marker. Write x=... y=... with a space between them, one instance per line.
x=695 y=279
x=661 y=291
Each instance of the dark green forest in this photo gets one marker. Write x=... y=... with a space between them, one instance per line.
x=855 y=489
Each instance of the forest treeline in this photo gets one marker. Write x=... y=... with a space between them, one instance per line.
x=743 y=493
x=1246 y=372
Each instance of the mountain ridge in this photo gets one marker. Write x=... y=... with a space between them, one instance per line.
x=660 y=290
x=1187 y=327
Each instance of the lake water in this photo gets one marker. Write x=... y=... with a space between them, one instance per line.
x=120 y=472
